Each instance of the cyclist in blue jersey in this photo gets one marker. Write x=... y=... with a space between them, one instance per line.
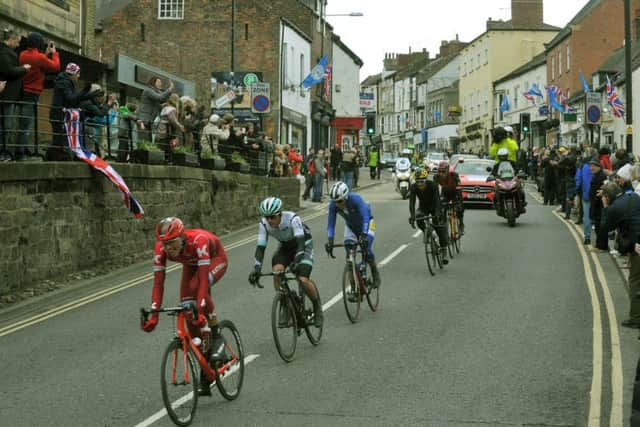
x=359 y=223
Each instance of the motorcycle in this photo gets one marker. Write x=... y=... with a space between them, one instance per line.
x=507 y=200
x=401 y=176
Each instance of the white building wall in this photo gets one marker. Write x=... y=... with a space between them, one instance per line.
x=514 y=89
x=295 y=67
x=345 y=84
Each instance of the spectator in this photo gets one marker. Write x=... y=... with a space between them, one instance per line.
x=279 y=161
x=188 y=120
x=295 y=159
x=567 y=172
x=94 y=115
x=42 y=59
x=335 y=159
x=621 y=212
x=254 y=147
x=65 y=95
x=128 y=131
x=169 y=126
x=151 y=104
x=347 y=166
x=318 y=177
x=373 y=163
x=12 y=74
x=225 y=149
x=212 y=134
x=597 y=180
x=549 y=162
x=356 y=169
x=583 y=186
x=604 y=156
x=309 y=172
x=201 y=120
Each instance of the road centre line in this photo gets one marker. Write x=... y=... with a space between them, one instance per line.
x=16 y=326
x=595 y=394
x=184 y=399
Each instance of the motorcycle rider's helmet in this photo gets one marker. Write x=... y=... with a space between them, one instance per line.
x=503 y=155
x=339 y=191
x=443 y=167
x=270 y=206
x=406 y=152
x=499 y=134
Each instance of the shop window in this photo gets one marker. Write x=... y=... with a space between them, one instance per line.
x=170 y=9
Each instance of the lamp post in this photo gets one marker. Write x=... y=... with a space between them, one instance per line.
x=627 y=75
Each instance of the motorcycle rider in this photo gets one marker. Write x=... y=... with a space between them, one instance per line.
x=501 y=140
x=428 y=195
x=506 y=168
x=449 y=182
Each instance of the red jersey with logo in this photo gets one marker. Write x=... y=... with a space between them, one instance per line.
x=204 y=262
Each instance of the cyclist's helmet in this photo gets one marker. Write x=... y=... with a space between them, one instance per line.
x=421 y=174
x=169 y=228
x=503 y=154
x=270 y=206
x=443 y=167
x=499 y=134
x=339 y=191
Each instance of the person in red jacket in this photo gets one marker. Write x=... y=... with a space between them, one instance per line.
x=295 y=159
x=43 y=59
x=204 y=262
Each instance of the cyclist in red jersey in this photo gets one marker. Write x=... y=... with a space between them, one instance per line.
x=449 y=182
x=204 y=262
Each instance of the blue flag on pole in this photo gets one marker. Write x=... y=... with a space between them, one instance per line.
x=317 y=74
x=585 y=86
x=504 y=106
x=553 y=92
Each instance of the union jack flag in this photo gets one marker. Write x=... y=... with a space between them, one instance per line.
x=617 y=107
x=529 y=97
x=72 y=126
x=327 y=81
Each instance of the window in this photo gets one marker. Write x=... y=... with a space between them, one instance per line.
x=478 y=65
x=559 y=62
x=478 y=103
x=285 y=62
x=486 y=53
x=471 y=65
x=170 y=9
x=486 y=101
x=515 y=96
x=464 y=69
x=302 y=74
x=568 y=57
x=553 y=68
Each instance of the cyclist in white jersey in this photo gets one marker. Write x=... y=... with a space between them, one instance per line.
x=296 y=249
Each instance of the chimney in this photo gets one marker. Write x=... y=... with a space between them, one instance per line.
x=526 y=13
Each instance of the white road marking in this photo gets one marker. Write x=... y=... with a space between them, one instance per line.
x=392 y=255
x=416 y=234
x=596 y=380
x=184 y=399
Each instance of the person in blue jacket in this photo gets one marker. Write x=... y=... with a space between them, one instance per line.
x=359 y=223
x=583 y=185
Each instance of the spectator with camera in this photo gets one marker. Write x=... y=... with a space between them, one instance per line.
x=169 y=126
x=127 y=131
x=151 y=104
x=12 y=74
x=43 y=59
x=213 y=133
x=95 y=111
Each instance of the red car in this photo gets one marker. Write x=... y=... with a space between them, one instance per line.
x=473 y=181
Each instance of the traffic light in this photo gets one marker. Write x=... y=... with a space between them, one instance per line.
x=525 y=123
x=371 y=125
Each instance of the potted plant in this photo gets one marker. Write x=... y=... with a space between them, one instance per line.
x=148 y=153
x=209 y=160
x=184 y=156
x=238 y=163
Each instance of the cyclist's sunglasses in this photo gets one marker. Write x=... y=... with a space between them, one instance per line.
x=271 y=216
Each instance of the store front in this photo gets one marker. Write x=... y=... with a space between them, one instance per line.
x=348 y=131
x=293 y=129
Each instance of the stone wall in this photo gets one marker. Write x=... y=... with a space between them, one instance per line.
x=61 y=218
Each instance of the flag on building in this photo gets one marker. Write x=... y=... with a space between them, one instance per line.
x=565 y=102
x=617 y=107
x=74 y=132
x=535 y=90
x=529 y=97
x=327 y=81
x=585 y=85
x=317 y=74
x=553 y=92
x=504 y=106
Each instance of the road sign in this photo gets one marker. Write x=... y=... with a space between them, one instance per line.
x=225 y=99
x=250 y=79
x=629 y=129
x=261 y=97
x=594 y=112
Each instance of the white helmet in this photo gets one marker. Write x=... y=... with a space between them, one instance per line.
x=339 y=191
x=503 y=152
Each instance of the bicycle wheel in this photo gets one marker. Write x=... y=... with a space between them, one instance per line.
x=313 y=333
x=230 y=371
x=458 y=241
x=452 y=235
x=284 y=326
x=179 y=383
x=372 y=293
x=436 y=249
x=426 y=239
x=350 y=293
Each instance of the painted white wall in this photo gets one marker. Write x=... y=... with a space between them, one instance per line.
x=295 y=67
x=514 y=89
x=441 y=133
x=345 y=85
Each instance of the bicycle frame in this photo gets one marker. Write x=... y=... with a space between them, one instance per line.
x=353 y=249
x=291 y=294
x=182 y=333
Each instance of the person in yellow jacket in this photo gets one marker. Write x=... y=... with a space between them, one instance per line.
x=374 y=162
x=502 y=140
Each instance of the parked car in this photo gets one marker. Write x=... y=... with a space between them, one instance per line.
x=473 y=181
x=388 y=160
x=432 y=160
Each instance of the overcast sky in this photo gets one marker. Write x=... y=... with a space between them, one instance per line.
x=394 y=25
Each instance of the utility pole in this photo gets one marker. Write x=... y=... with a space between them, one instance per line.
x=233 y=40
x=628 y=88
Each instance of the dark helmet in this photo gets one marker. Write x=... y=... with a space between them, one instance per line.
x=499 y=134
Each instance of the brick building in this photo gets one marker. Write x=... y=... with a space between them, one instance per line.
x=593 y=34
x=199 y=37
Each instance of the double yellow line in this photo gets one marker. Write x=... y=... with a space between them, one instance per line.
x=14 y=327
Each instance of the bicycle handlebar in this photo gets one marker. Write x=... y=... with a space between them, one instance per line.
x=282 y=274
x=172 y=311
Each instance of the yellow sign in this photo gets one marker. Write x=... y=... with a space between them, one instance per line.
x=629 y=130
